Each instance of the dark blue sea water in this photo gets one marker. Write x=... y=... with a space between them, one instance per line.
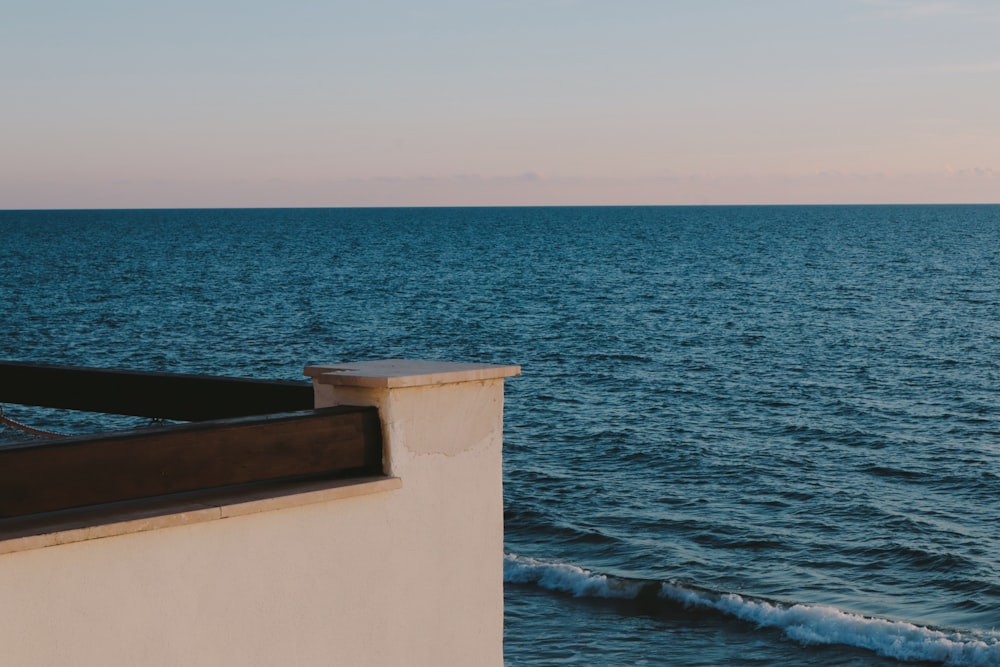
x=743 y=436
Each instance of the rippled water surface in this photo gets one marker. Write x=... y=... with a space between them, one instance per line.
x=744 y=435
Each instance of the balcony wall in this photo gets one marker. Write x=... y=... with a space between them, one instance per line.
x=401 y=569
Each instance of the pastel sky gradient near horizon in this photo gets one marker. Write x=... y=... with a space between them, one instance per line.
x=115 y=103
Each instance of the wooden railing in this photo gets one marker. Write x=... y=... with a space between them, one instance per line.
x=244 y=433
x=156 y=395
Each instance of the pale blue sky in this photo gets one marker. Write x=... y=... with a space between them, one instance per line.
x=308 y=103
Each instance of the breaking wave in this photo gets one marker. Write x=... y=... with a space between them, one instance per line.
x=803 y=623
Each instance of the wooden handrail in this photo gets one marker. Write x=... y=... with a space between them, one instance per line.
x=244 y=432
x=175 y=396
x=128 y=465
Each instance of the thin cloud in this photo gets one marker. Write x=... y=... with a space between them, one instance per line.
x=971 y=172
x=930 y=9
x=992 y=67
x=989 y=67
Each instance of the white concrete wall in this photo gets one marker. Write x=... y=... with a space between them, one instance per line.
x=411 y=576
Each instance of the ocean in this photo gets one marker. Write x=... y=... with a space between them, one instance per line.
x=742 y=436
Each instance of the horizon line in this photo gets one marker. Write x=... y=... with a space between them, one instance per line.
x=490 y=206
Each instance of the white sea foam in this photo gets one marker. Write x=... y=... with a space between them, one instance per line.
x=806 y=624
x=566 y=578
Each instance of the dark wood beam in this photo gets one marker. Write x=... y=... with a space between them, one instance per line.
x=174 y=396
x=127 y=465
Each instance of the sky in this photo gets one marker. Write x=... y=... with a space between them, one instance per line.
x=211 y=103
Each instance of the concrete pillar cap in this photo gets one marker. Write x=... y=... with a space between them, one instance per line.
x=395 y=373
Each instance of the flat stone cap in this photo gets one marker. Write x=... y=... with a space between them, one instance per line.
x=390 y=373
